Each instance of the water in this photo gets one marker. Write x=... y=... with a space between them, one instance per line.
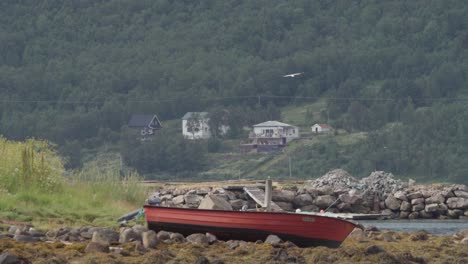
x=433 y=226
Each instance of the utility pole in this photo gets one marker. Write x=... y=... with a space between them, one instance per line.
x=259 y=99
x=290 y=174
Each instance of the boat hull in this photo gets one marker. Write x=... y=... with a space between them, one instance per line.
x=302 y=230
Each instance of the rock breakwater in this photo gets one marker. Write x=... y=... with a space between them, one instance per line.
x=339 y=192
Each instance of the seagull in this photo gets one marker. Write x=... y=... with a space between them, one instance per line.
x=292 y=75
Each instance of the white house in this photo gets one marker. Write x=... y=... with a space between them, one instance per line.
x=321 y=128
x=275 y=129
x=195 y=125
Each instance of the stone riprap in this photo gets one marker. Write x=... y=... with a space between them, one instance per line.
x=339 y=192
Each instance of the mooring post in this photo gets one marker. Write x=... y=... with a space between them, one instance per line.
x=268 y=195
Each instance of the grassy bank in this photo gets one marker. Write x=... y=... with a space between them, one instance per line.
x=35 y=189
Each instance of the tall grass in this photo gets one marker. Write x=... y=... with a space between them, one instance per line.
x=34 y=187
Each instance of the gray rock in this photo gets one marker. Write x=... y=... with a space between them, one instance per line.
x=388 y=237
x=191 y=192
x=455 y=213
x=285 y=206
x=273 y=240
x=324 y=201
x=392 y=203
x=26 y=238
x=105 y=237
x=360 y=209
x=163 y=235
x=198 y=239
x=202 y=260
x=177 y=237
x=457 y=203
x=405 y=206
x=437 y=198
x=417 y=201
x=178 y=192
x=418 y=207
x=203 y=190
x=462 y=194
x=374 y=249
x=465 y=213
x=12 y=229
x=414 y=195
x=426 y=215
x=404 y=214
x=8 y=258
x=139 y=229
x=302 y=200
x=166 y=197
x=344 y=207
x=325 y=190
x=211 y=238
x=413 y=215
x=94 y=247
x=86 y=235
x=443 y=208
x=351 y=198
x=464 y=241
x=283 y=196
x=400 y=195
x=310 y=208
x=431 y=208
x=192 y=200
x=358 y=234
x=214 y=202
x=129 y=235
x=233 y=244
x=333 y=180
x=223 y=196
x=149 y=239
x=237 y=204
x=178 y=200
x=231 y=195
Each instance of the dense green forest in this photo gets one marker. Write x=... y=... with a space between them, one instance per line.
x=73 y=72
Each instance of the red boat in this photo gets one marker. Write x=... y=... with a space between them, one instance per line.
x=301 y=229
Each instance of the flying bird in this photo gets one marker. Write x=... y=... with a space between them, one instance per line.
x=292 y=75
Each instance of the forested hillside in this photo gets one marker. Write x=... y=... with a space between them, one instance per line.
x=73 y=72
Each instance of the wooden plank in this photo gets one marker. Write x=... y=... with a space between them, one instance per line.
x=259 y=197
x=349 y=216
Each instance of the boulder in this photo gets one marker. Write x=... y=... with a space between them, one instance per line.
x=211 y=238
x=177 y=237
x=414 y=195
x=431 y=208
x=203 y=190
x=302 y=200
x=166 y=197
x=462 y=194
x=197 y=238
x=178 y=192
x=404 y=214
x=343 y=207
x=437 y=198
x=128 y=234
x=94 y=247
x=457 y=203
x=178 y=200
x=455 y=213
x=359 y=209
x=285 y=206
x=150 y=239
x=237 y=204
x=405 y=206
x=273 y=240
x=358 y=235
x=282 y=196
x=192 y=200
x=214 y=202
x=310 y=208
x=324 y=201
x=426 y=215
x=374 y=249
x=353 y=198
x=324 y=190
x=400 y=195
x=413 y=215
x=163 y=235
x=418 y=207
x=417 y=201
x=8 y=258
x=105 y=237
x=392 y=203
x=25 y=238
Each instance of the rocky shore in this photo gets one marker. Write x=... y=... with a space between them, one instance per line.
x=136 y=244
x=339 y=192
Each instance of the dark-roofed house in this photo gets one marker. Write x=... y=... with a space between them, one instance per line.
x=147 y=124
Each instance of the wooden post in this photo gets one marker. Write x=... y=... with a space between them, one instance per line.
x=268 y=195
